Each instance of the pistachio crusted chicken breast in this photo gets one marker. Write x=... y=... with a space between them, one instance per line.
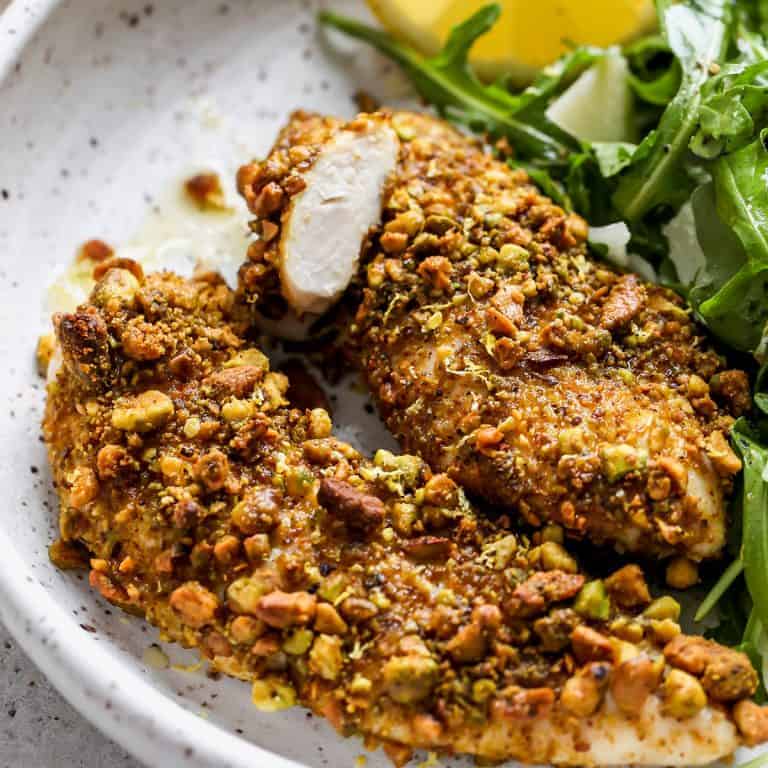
x=500 y=351
x=369 y=591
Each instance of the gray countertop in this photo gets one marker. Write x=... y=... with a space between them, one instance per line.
x=38 y=728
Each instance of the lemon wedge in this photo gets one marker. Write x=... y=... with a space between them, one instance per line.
x=530 y=33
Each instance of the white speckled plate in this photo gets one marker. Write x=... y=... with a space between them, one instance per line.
x=104 y=106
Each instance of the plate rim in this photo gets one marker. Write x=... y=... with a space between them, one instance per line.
x=147 y=723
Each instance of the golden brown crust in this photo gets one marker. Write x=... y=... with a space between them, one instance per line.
x=370 y=591
x=502 y=353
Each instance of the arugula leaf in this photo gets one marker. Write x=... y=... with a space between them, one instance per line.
x=761 y=401
x=723 y=119
x=613 y=156
x=721 y=586
x=698 y=33
x=751 y=644
x=734 y=613
x=755 y=517
x=654 y=72
x=730 y=291
x=448 y=83
x=733 y=103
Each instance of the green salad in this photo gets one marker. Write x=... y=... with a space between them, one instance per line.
x=663 y=147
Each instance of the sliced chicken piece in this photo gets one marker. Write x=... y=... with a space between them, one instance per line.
x=370 y=591
x=335 y=201
x=503 y=353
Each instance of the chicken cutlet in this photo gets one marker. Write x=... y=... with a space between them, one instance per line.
x=498 y=348
x=368 y=590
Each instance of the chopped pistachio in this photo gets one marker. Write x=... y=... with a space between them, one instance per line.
x=397 y=472
x=298 y=642
x=404 y=130
x=593 y=601
x=497 y=554
x=626 y=629
x=486 y=255
x=145 y=412
x=244 y=594
x=572 y=440
x=319 y=423
x=404 y=515
x=118 y=288
x=299 y=481
x=409 y=679
x=665 y=630
x=554 y=557
x=638 y=339
x=332 y=587
x=439 y=225
x=360 y=685
x=434 y=321
x=683 y=695
x=275 y=386
x=380 y=600
x=236 y=410
x=409 y=466
x=489 y=341
x=249 y=357
x=326 y=659
x=482 y=690
x=192 y=427
x=620 y=459
x=665 y=607
x=272 y=694
x=513 y=258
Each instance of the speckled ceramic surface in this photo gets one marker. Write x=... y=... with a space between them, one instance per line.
x=104 y=106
